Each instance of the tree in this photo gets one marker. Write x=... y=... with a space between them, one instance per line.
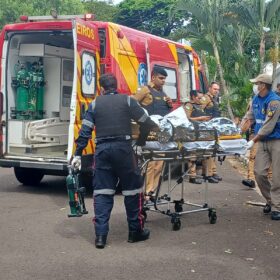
x=101 y=10
x=210 y=17
x=149 y=15
x=12 y=9
x=257 y=15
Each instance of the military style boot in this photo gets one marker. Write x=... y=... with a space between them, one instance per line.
x=136 y=236
x=100 y=241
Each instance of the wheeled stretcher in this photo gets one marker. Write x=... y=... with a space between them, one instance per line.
x=163 y=203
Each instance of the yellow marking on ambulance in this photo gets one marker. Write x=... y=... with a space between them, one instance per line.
x=173 y=50
x=85 y=31
x=124 y=56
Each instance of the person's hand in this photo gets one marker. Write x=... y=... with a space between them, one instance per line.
x=76 y=163
x=168 y=101
x=155 y=128
x=250 y=144
x=205 y=118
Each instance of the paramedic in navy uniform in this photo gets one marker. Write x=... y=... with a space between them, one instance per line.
x=114 y=158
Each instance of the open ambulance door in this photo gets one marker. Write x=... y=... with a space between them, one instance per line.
x=86 y=74
x=162 y=53
x=1 y=123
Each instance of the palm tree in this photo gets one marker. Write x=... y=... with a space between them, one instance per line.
x=257 y=15
x=275 y=30
x=210 y=16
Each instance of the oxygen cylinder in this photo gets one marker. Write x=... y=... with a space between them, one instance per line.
x=32 y=103
x=22 y=94
x=75 y=208
x=40 y=92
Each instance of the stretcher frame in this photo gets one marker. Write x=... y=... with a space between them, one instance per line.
x=169 y=157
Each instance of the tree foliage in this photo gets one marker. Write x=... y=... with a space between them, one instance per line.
x=12 y=9
x=101 y=10
x=149 y=15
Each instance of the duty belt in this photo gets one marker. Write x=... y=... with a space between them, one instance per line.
x=112 y=139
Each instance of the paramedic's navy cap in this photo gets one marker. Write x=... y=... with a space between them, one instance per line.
x=159 y=70
x=262 y=78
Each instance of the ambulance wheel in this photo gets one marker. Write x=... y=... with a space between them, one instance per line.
x=212 y=216
x=28 y=176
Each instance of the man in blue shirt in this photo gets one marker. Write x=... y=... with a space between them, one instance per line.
x=265 y=113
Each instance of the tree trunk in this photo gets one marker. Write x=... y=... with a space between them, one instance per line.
x=221 y=74
x=276 y=55
x=262 y=51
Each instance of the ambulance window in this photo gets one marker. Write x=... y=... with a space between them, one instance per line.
x=202 y=86
x=170 y=87
x=88 y=74
x=102 y=40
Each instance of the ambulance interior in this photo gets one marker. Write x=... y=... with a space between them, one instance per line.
x=184 y=76
x=39 y=77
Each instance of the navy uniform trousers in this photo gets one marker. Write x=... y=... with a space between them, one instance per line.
x=115 y=161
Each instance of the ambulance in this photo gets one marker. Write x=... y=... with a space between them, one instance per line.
x=49 y=75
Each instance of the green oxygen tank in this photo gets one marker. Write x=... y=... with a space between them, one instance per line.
x=22 y=93
x=32 y=102
x=75 y=194
x=40 y=91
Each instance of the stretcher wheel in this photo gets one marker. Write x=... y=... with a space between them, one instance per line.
x=212 y=216
x=178 y=208
x=176 y=224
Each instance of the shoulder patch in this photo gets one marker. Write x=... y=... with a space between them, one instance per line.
x=272 y=107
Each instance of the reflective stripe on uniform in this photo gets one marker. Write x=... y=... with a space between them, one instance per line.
x=104 y=191
x=143 y=118
x=132 y=192
x=128 y=101
x=259 y=121
x=87 y=123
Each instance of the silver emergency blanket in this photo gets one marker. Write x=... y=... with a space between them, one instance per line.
x=175 y=126
x=235 y=146
x=157 y=146
x=223 y=126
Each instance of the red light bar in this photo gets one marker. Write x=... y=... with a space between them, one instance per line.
x=23 y=18
x=89 y=17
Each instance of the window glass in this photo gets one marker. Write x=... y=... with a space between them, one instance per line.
x=170 y=87
x=202 y=87
x=88 y=74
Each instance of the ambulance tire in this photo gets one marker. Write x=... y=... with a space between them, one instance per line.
x=28 y=176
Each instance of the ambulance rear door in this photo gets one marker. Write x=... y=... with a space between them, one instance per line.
x=1 y=123
x=86 y=74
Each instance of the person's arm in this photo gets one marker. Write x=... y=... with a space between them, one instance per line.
x=141 y=93
x=139 y=115
x=188 y=108
x=272 y=117
x=248 y=120
x=86 y=130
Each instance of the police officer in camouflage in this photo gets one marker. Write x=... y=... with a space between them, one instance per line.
x=195 y=112
x=210 y=103
x=114 y=159
x=156 y=102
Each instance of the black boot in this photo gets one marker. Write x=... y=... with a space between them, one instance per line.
x=100 y=241
x=135 y=236
x=212 y=180
x=249 y=183
x=275 y=215
x=217 y=177
x=195 y=180
x=267 y=209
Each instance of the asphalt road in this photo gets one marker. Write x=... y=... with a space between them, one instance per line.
x=39 y=241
